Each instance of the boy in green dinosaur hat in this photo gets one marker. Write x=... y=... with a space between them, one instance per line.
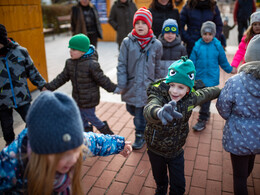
x=169 y=107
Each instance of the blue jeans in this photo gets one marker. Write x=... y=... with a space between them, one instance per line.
x=139 y=120
x=6 y=118
x=176 y=173
x=88 y=115
x=204 y=111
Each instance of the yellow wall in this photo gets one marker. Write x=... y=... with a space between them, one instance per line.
x=23 y=22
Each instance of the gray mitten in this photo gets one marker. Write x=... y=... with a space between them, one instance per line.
x=167 y=113
x=117 y=90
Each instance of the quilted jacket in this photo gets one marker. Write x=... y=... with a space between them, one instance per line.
x=86 y=77
x=238 y=104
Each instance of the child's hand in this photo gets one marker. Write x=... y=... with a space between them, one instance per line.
x=127 y=149
x=167 y=113
x=117 y=90
x=44 y=89
x=234 y=70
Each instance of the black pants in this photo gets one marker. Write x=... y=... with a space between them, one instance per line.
x=204 y=112
x=6 y=118
x=242 y=168
x=176 y=172
x=93 y=38
x=241 y=27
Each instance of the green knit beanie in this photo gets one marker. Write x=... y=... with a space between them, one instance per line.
x=182 y=71
x=79 y=42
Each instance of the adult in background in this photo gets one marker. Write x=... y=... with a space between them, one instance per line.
x=193 y=14
x=242 y=11
x=162 y=10
x=121 y=18
x=84 y=19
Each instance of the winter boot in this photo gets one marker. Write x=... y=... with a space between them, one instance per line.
x=161 y=190
x=88 y=129
x=105 y=129
x=200 y=125
x=139 y=141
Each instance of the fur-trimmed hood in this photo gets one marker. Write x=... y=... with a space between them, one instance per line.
x=250 y=77
x=251 y=68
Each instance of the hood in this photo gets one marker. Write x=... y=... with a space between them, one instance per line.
x=9 y=46
x=177 y=41
x=250 y=77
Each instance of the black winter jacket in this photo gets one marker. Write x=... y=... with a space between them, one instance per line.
x=86 y=77
x=160 y=14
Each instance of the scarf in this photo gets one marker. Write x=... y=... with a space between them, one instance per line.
x=203 y=4
x=143 y=40
x=61 y=183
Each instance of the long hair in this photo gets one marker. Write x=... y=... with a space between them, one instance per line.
x=192 y=4
x=154 y=2
x=40 y=174
x=249 y=33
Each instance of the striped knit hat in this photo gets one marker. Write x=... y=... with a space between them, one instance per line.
x=145 y=15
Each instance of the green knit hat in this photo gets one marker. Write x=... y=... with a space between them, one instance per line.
x=182 y=71
x=79 y=42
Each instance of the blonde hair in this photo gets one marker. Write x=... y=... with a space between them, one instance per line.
x=249 y=33
x=40 y=174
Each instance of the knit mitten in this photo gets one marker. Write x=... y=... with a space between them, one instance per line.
x=167 y=113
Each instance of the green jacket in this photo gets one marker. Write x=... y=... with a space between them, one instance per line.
x=167 y=140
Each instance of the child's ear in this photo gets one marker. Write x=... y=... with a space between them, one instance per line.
x=188 y=91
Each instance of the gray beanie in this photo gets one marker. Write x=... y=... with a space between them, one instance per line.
x=209 y=27
x=255 y=17
x=253 y=49
x=54 y=124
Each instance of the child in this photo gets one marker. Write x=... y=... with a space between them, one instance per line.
x=16 y=66
x=138 y=65
x=86 y=76
x=252 y=30
x=169 y=107
x=238 y=104
x=226 y=28
x=207 y=55
x=46 y=158
x=173 y=49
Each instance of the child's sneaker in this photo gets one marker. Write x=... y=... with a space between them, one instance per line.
x=200 y=125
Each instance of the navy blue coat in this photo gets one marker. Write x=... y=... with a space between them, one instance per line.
x=193 y=18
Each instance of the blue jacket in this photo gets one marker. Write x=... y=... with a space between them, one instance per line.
x=194 y=18
x=207 y=57
x=12 y=162
x=238 y=104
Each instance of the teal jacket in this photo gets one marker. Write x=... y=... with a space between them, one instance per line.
x=207 y=57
